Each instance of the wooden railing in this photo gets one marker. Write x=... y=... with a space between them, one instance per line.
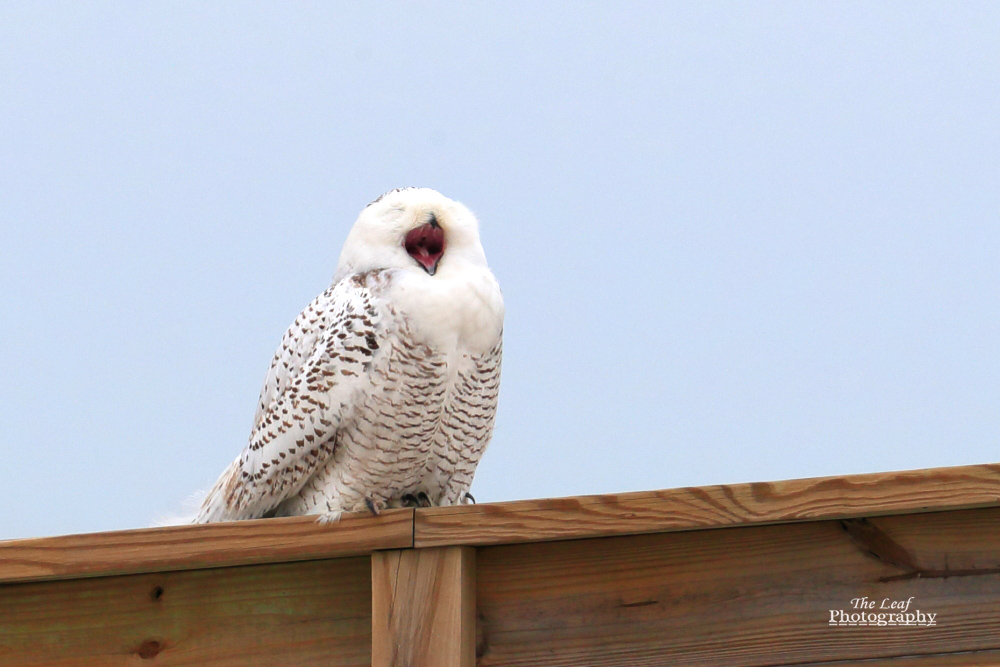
x=747 y=574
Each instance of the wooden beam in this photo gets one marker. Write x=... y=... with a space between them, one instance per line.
x=302 y=538
x=747 y=597
x=938 y=489
x=424 y=608
x=295 y=614
x=203 y=546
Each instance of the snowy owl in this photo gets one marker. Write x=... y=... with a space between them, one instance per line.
x=384 y=389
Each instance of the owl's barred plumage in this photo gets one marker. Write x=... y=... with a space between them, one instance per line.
x=385 y=387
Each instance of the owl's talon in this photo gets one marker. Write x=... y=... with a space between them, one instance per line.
x=425 y=500
x=409 y=500
x=329 y=517
x=469 y=498
x=372 y=507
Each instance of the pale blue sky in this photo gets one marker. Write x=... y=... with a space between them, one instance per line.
x=737 y=241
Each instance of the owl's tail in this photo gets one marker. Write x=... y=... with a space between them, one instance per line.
x=187 y=514
x=214 y=506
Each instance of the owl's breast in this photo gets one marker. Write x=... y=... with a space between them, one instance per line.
x=451 y=314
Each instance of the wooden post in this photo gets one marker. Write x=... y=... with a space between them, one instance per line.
x=424 y=607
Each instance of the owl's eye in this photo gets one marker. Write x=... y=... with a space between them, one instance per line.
x=426 y=245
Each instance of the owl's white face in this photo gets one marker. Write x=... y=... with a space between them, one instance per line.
x=414 y=229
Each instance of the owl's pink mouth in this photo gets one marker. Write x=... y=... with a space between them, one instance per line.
x=426 y=245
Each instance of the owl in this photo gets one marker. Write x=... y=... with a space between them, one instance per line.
x=384 y=389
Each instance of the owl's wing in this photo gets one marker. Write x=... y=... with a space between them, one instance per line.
x=308 y=390
x=297 y=345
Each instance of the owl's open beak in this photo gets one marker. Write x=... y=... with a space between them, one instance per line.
x=426 y=245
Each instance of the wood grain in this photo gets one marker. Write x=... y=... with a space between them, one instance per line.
x=710 y=507
x=750 y=596
x=294 y=614
x=204 y=546
x=424 y=608
x=964 y=659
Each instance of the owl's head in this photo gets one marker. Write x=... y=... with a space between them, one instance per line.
x=414 y=229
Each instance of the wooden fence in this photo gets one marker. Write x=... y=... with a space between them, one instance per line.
x=782 y=573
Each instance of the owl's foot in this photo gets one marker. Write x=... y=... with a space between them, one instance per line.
x=372 y=506
x=419 y=499
x=469 y=499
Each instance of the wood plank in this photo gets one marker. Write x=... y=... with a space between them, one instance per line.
x=424 y=608
x=746 y=597
x=964 y=659
x=294 y=614
x=203 y=546
x=710 y=507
